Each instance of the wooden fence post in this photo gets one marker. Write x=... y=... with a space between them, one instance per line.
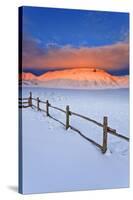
x=67 y=117
x=30 y=100
x=105 y=133
x=47 y=108
x=38 y=104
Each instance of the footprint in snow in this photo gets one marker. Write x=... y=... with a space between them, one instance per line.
x=120 y=148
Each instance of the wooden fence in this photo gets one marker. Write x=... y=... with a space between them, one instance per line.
x=28 y=102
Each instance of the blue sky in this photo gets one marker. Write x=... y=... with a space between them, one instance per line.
x=46 y=30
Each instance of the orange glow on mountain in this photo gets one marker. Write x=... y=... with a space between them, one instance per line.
x=74 y=74
x=27 y=76
x=77 y=78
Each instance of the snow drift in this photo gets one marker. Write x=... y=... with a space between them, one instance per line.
x=58 y=160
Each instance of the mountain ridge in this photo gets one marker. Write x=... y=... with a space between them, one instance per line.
x=84 y=78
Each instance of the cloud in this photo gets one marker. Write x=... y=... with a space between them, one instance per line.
x=109 y=57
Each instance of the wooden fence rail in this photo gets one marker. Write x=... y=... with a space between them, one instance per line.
x=86 y=118
x=57 y=108
x=68 y=113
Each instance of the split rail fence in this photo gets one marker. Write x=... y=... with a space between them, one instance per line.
x=28 y=102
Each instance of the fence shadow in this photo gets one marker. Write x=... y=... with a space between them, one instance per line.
x=28 y=102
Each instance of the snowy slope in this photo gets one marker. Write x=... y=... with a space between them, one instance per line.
x=28 y=76
x=85 y=78
x=58 y=160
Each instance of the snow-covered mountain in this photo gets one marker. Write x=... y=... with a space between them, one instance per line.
x=28 y=76
x=81 y=78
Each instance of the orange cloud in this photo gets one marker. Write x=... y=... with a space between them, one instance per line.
x=114 y=57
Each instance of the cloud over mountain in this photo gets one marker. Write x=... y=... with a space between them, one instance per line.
x=108 y=57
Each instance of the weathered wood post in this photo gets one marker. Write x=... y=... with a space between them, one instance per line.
x=38 y=104
x=67 y=117
x=30 y=100
x=47 y=108
x=105 y=134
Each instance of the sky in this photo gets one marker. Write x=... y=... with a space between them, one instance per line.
x=57 y=39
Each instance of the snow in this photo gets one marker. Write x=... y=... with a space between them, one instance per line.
x=28 y=76
x=58 y=160
x=81 y=78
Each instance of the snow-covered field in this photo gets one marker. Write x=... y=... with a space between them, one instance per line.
x=58 y=160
